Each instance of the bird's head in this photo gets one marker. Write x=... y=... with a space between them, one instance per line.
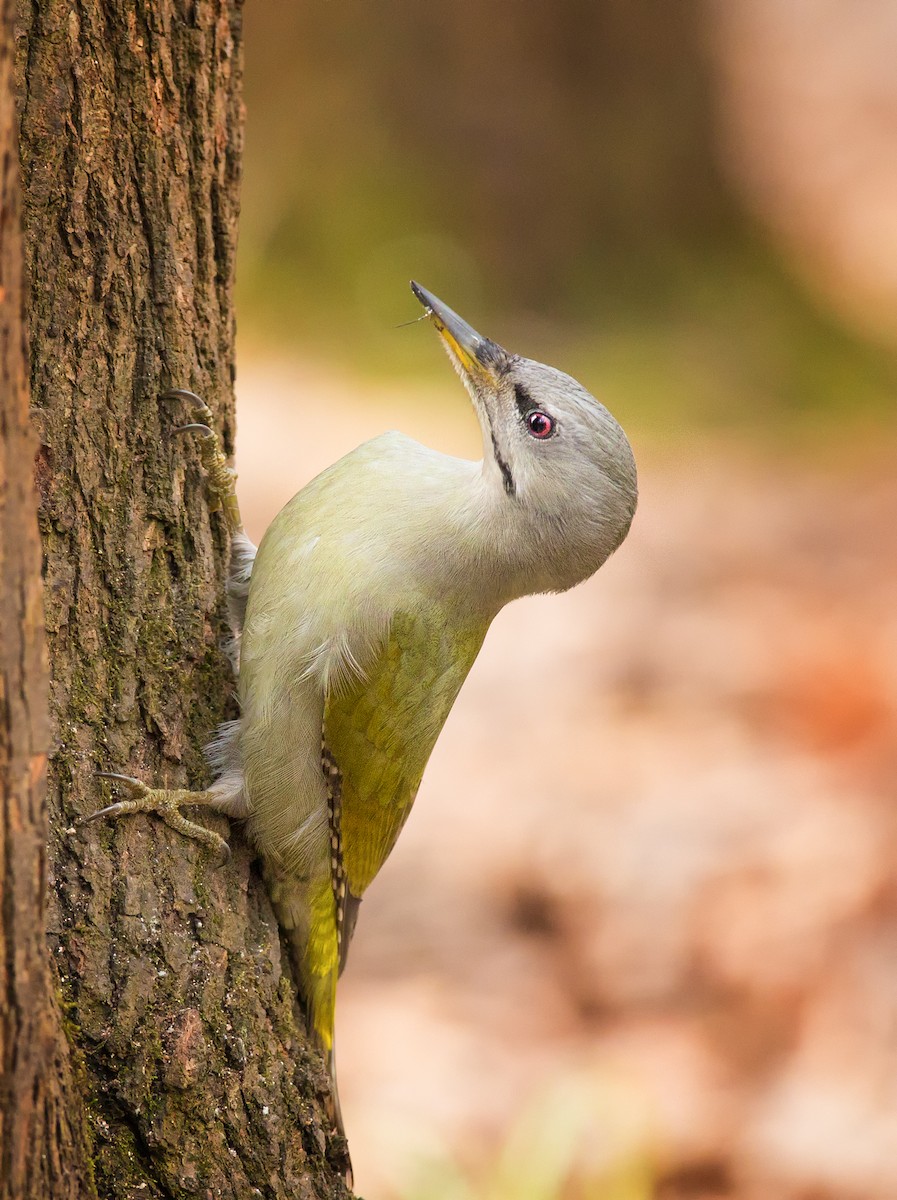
x=563 y=465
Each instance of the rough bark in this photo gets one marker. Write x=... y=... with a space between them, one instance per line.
x=196 y=1074
x=42 y=1143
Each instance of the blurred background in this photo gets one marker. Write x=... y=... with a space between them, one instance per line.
x=663 y=962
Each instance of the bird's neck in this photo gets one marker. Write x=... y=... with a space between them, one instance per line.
x=490 y=547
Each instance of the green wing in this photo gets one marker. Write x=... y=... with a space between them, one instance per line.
x=381 y=732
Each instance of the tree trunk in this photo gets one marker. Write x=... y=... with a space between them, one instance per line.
x=194 y=1068
x=42 y=1139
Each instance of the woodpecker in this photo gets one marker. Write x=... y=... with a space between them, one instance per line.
x=362 y=611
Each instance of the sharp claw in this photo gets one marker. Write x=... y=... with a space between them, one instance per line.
x=195 y=428
x=135 y=787
x=121 y=778
x=181 y=394
x=108 y=811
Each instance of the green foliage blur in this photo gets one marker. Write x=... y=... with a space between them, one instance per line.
x=551 y=172
x=558 y=1149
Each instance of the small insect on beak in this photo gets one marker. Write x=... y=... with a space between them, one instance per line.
x=481 y=359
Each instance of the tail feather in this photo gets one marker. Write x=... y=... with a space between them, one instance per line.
x=334 y=1110
x=306 y=913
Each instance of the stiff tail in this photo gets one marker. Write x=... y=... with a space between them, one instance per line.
x=334 y=1110
x=306 y=913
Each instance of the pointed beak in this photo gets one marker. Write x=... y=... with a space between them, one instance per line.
x=481 y=359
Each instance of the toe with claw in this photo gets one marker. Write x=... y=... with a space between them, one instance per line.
x=167 y=804
x=221 y=482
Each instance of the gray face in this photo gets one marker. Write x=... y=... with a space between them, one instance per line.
x=563 y=464
x=552 y=437
x=560 y=455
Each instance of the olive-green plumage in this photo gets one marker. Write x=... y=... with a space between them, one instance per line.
x=381 y=731
x=368 y=602
x=343 y=661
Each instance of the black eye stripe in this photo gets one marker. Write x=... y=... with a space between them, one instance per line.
x=525 y=402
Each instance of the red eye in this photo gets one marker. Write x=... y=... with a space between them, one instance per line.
x=539 y=424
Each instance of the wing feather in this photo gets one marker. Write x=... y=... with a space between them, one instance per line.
x=382 y=730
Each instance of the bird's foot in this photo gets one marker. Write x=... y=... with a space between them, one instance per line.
x=221 y=478
x=167 y=804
